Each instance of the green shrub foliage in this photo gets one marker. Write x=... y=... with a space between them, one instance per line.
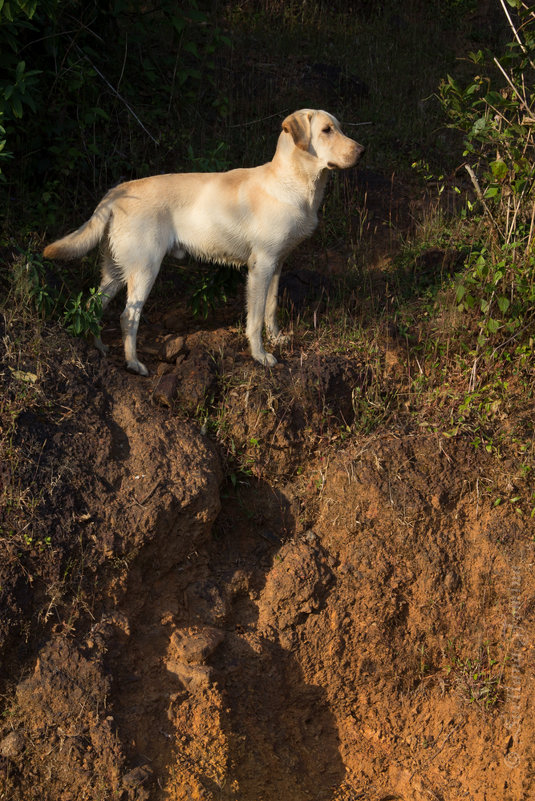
x=496 y=113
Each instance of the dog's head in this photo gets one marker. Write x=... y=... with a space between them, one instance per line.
x=318 y=133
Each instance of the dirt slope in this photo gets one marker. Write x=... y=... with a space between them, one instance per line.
x=337 y=620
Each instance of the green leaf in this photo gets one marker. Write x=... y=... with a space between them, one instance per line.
x=503 y=303
x=191 y=47
x=16 y=105
x=179 y=23
x=494 y=99
x=477 y=57
x=470 y=301
x=499 y=169
x=453 y=83
x=493 y=325
x=479 y=125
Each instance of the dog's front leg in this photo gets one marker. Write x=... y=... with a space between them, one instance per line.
x=259 y=277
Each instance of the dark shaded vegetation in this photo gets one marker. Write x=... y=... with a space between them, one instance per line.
x=93 y=93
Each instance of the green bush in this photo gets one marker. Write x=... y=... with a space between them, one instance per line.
x=496 y=113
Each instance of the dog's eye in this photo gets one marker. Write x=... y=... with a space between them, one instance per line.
x=327 y=130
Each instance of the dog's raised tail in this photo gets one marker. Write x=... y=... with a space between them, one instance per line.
x=84 y=238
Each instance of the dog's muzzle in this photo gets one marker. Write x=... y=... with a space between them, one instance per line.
x=355 y=156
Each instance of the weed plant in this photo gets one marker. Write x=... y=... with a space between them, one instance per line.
x=478 y=678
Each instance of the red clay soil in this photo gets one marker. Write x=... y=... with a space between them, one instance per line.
x=333 y=622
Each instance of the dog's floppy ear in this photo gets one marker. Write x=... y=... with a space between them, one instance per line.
x=298 y=125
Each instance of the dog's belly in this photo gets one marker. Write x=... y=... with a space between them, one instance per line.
x=210 y=238
x=228 y=236
x=217 y=252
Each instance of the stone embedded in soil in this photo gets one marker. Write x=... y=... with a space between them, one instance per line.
x=193 y=677
x=140 y=775
x=171 y=347
x=12 y=745
x=296 y=585
x=166 y=389
x=197 y=377
x=196 y=647
x=311 y=537
x=162 y=368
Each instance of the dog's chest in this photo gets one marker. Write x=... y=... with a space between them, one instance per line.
x=300 y=224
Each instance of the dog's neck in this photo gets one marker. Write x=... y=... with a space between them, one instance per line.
x=301 y=171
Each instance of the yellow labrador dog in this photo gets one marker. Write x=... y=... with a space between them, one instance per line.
x=252 y=216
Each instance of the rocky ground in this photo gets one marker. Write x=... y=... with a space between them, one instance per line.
x=215 y=587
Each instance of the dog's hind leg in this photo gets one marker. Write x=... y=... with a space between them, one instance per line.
x=111 y=282
x=140 y=281
x=259 y=277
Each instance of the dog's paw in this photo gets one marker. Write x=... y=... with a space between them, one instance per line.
x=280 y=339
x=99 y=345
x=266 y=359
x=135 y=366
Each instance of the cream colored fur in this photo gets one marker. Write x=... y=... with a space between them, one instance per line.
x=252 y=216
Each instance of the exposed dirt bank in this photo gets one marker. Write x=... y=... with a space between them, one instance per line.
x=338 y=620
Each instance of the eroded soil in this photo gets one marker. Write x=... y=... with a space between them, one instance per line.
x=264 y=607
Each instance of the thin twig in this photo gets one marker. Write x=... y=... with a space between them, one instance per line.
x=285 y=111
x=479 y=194
x=514 y=336
x=531 y=225
x=124 y=61
x=119 y=96
x=262 y=119
x=512 y=228
x=513 y=87
x=473 y=376
x=515 y=32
